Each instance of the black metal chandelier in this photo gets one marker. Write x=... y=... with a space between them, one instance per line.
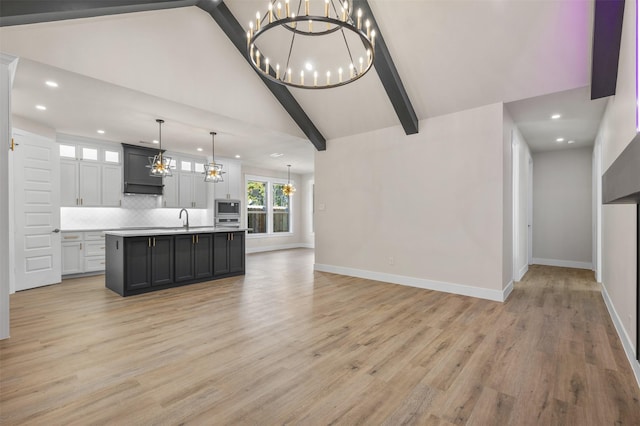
x=341 y=52
x=213 y=171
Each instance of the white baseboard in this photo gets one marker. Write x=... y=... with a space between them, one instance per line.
x=465 y=290
x=624 y=337
x=278 y=247
x=506 y=291
x=562 y=263
x=521 y=272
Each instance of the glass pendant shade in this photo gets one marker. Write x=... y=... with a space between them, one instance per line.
x=160 y=164
x=288 y=189
x=212 y=171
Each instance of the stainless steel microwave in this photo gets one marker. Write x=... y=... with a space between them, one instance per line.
x=227 y=208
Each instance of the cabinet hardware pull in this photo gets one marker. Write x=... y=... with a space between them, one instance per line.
x=154 y=241
x=193 y=239
x=80 y=246
x=102 y=263
x=101 y=248
x=120 y=203
x=81 y=201
x=70 y=237
x=77 y=201
x=198 y=239
x=149 y=241
x=231 y=237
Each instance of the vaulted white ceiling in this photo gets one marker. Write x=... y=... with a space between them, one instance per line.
x=177 y=64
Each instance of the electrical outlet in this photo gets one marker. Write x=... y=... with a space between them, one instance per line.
x=391 y=260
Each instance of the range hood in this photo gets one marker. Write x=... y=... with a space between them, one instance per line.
x=136 y=173
x=621 y=181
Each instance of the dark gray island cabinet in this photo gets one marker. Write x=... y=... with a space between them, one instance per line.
x=148 y=260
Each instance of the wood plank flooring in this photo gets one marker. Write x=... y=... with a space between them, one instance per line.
x=287 y=345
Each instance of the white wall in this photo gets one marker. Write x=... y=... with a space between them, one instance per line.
x=7 y=70
x=562 y=208
x=618 y=128
x=257 y=243
x=507 y=200
x=423 y=210
x=307 y=237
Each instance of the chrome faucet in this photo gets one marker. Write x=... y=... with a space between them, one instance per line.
x=180 y=217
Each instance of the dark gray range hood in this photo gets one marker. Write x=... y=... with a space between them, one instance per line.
x=136 y=173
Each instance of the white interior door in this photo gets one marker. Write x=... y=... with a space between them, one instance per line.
x=37 y=211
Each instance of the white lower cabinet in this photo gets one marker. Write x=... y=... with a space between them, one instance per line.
x=83 y=252
x=72 y=258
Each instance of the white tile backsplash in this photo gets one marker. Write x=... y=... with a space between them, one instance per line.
x=137 y=211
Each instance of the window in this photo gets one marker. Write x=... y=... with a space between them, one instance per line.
x=268 y=209
x=257 y=207
x=199 y=167
x=280 y=209
x=68 y=151
x=111 y=156
x=90 y=154
x=185 y=166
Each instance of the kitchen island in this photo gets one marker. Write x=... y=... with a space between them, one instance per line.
x=140 y=261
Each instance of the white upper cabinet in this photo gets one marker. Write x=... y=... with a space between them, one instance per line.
x=69 y=184
x=186 y=188
x=111 y=185
x=231 y=186
x=91 y=172
x=89 y=184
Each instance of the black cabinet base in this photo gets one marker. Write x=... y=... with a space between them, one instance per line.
x=126 y=293
x=138 y=265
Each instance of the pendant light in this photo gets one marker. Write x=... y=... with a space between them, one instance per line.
x=160 y=164
x=288 y=189
x=212 y=171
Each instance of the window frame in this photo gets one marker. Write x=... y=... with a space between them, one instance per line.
x=270 y=181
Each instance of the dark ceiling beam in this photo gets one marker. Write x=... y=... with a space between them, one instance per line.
x=20 y=12
x=389 y=76
x=607 y=34
x=229 y=24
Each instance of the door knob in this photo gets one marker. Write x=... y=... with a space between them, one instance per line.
x=55 y=231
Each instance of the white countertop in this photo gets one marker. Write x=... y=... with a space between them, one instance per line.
x=170 y=231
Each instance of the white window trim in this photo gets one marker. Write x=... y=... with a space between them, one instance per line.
x=270 y=181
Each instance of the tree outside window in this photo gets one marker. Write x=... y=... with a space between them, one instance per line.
x=256 y=207
x=280 y=209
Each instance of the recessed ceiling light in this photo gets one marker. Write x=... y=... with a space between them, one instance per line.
x=308 y=66
x=199 y=149
x=100 y=131
x=51 y=83
x=155 y=141
x=41 y=107
x=555 y=116
x=237 y=156
x=276 y=155
x=570 y=142
x=560 y=140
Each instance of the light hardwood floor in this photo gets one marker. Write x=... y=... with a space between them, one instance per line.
x=288 y=345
